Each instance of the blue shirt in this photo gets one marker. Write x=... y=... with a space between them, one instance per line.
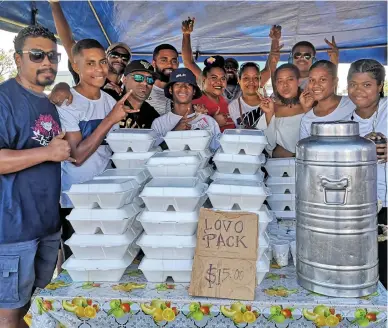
x=29 y=199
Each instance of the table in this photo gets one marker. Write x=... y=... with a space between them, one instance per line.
x=117 y=305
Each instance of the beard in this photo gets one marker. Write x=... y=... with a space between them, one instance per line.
x=232 y=80
x=118 y=71
x=47 y=81
x=289 y=101
x=162 y=75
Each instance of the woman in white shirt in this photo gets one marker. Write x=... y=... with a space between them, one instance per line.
x=322 y=84
x=245 y=111
x=283 y=130
x=365 y=88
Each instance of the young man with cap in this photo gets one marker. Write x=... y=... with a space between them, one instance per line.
x=164 y=60
x=139 y=76
x=118 y=55
x=182 y=89
x=232 y=90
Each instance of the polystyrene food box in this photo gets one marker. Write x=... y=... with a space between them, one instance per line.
x=157 y=271
x=205 y=174
x=252 y=142
x=174 y=164
x=108 y=221
x=103 y=247
x=245 y=164
x=248 y=195
x=258 y=177
x=140 y=175
x=205 y=155
x=263 y=245
x=192 y=139
x=132 y=160
x=100 y=270
x=136 y=140
x=168 y=248
x=169 y=222
x=281 y=185
x=262 y=267
x=265 y=217
x=280 y=167
x=285 y=214
x=106 y=193
x=282 y=202
x=183 y=194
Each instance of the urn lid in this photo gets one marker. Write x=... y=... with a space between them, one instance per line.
x=335 y=129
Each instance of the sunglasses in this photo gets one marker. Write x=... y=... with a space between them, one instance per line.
x=140 y=78
x=305 y=55
x=38 y=56
x=117 y=55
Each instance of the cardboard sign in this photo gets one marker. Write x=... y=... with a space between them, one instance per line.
x=225 y=257
x=227 y=234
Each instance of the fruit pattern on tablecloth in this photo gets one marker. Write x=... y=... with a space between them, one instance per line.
x=278 y=289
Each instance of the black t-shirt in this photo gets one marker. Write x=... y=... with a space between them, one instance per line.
x=110 y=92
x=143 y=119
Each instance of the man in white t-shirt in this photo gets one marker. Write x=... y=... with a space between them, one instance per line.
x=165 y=60
x=182 y=89
x=89 y=118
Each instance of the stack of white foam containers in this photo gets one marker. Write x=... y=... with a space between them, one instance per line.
x=238 y=183
x=281 y=181
x=105 y=210
x=173 y=199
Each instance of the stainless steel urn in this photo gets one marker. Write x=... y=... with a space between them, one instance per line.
x=336 y=211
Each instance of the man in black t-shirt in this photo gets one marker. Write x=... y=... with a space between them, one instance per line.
x=139 y=76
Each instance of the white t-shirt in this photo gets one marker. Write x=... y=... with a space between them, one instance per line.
x=283 y=131
x=84 y=115
x=168 y=122
x=250 y=113
x=344 y=108
x=366 y=127
x=158 y=100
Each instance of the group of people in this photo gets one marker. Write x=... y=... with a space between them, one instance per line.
x=44 y=149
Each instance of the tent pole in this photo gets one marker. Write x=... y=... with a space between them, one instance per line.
x=21 y=25
x=99 y=22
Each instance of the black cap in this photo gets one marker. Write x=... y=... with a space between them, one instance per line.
x=140 y=66
x=183 y=75
x=232 y=61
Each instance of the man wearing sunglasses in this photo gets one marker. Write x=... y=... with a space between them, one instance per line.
x=303 y=56
x=118 y=55
x=31 y=151
x=139 y=76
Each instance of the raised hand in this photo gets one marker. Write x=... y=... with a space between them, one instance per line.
x=267 y=105
x=183 y=124
x=276 y=32
x=188 y=25
x=59 y=149
x=333 y=50
x=60 y=93
x=306 y=99
x=120 y=110
x=221 y=118
x=200 y=109
x=113 y=86
x=274 y=57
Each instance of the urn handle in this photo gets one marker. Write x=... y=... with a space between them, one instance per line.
x=335 y=191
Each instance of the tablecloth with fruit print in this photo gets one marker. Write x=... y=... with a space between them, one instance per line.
x=279 y=302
